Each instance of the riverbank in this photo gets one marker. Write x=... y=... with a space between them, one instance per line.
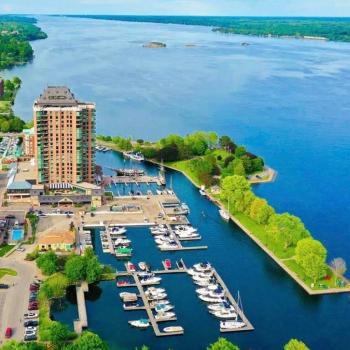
x=242 y=221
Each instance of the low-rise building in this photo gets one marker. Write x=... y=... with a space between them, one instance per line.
x=57 y=241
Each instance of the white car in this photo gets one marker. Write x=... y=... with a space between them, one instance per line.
x=30 y=315
x=29 y=332
x=20 y=249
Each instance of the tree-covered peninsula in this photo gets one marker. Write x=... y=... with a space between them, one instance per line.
x=15 y=34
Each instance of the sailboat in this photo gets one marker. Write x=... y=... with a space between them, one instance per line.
x=225 y=214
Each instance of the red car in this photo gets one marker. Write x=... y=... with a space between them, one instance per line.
x=8 y=332
x=33 y=288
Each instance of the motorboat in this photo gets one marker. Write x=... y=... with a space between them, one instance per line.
x=116 y=230
x=227 y=325
x=150 y=281
x=154 y=290
x=173 y=329
x=203 y=291
x=142 y=266
x=170 y=245
x=225 y=314
x=121 y=241
x=141 y=323
x=202 y=267
x=127 y=295
x=185 y=228
x=163 y=307
x=123 y=252
x=123 y=283
x=157 y=296
x=180 y=264
x=195 y=273
x=199 y=278
x=220 y=306
x=164 y=315
x=167 y=264
x=225 y=215
x=202 y=191
x=208 y=299
x=154 y=303
x=217 y=293
x=138 y=157
x=130 y=305
x=131 y=266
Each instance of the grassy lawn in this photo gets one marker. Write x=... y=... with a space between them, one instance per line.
x=260 y=232
x=4 y=249
x=184 y=166
x=5 y=271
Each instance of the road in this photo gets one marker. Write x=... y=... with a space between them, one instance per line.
x=14 y=301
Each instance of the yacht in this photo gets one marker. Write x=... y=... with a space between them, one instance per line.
x=185 y=228
x=164 y=316
x=131 y=266
x=224 y=214
x=142 y=266
x=139 y=157
x=141 y=323
x=154 y=303
x=116 y=230
x=173 y=329
x=220 y=306
x=202 y=191
x=163 y=307
x=149 y=281
x=203 y=266
x=154 y=290
x=227 y=325
x=225 y=314
x=208 y=299
x=156 y=296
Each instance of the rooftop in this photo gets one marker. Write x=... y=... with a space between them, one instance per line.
x=19 y=185
x=66 y=237
x=57 y=96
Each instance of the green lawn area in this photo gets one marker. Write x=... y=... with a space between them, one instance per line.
x=5 y=249
x=184 y=166
x=5 y=271
x=260 y=232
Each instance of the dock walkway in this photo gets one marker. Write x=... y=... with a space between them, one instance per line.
x=82 y=322
x=248 y=326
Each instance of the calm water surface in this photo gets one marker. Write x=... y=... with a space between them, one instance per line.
x=287 y=100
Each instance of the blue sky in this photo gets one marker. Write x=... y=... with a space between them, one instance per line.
x=182 y=7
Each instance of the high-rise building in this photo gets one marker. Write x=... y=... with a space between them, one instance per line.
x=64 y=137
x=28 y=146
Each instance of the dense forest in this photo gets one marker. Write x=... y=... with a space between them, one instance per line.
x=335 y=29
x=15 y=34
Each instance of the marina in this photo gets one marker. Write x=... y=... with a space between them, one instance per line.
x=243 y=325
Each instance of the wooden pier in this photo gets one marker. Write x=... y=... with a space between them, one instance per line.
x=82 y=322
x=248 y=326
x=138 y=179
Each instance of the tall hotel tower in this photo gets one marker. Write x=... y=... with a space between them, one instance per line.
x=64 y=137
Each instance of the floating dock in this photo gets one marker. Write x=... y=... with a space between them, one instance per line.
x=82 y=322
x=248 y=326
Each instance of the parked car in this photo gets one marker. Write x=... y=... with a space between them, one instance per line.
x=31 y=328
x=8 y=332
x=30 y=315
x=33 y=307
x=20 y=249
x=4 y=286
x=33 y=288
x=29 y=333
x=31 y=323
x=30 y=337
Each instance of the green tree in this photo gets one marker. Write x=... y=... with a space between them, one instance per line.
x=287 y=229
x=239 y=169
x=55 y=286
x=314 y=267
x=260 y=211
x=240 y=151
x=89 y=341
x=59 y=334
x=75 y=268
x=233 y=183
x=5 y=126
x=309 y=246
x=47 y=263
x=93 y=270
x=17 y=81
x=295 y=344
x=169 y=153
x=9 y=85
x=222 y=344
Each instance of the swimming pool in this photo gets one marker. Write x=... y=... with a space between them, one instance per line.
x=17 y=234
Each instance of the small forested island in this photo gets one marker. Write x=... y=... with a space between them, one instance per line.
x=154 y=45
x=15 y=34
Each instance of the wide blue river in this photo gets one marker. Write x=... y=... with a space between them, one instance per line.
x=286 y=100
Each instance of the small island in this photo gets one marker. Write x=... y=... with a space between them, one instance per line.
x=154 y=45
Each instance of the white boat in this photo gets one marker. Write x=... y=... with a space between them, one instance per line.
x=185 y=228
x=142 y=323
x=116 y=230
x=163 y=307
x=173 y=329
x=153 y=290
x=224 y=214
x=121 y=241
x=127 y=294
x=150 y=281
x=203 y=283
x=224 y=314
x=203 y=291
x=142 y=266
x=158 y=296
x=200 y=278
x=216 y=294
x=202 y=191
x=154 y=303
x=202 y=267
x=227 y=325
x=208 y=299
x=164 y=316
x=220 y=306
x=167 y=246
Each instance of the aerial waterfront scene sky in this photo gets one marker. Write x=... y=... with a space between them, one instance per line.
x=312 y=8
